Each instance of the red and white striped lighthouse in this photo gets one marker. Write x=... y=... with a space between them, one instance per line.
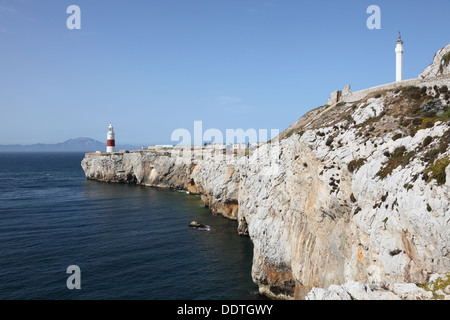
x=111 y=142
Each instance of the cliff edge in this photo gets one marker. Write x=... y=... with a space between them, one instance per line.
x=440 y=65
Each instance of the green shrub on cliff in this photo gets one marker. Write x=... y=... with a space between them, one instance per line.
x=446 y=59
x=397 y=158
x=356 y=164
x=437 y=170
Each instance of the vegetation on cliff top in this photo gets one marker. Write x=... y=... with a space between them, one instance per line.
x=405 y=111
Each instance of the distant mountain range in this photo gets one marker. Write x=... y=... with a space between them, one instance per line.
x=71 y=145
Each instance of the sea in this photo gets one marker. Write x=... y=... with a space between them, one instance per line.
x=128 y=242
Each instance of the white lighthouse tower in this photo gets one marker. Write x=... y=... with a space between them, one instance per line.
x=111 y=142
x=399 y=58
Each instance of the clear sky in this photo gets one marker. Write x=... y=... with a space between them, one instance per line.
x=152 y=66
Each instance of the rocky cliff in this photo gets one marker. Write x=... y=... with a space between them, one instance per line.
x=363 y=196
x=354 y=192
x=440 y=65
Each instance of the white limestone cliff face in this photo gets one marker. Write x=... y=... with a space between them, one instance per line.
x=297 y=219
x=308 y=233
x=440 y=65
x=218 y=183
x=156 y=169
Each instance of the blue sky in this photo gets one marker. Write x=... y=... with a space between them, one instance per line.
x=150 y=67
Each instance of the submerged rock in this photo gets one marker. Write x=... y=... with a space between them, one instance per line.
x=195 y=224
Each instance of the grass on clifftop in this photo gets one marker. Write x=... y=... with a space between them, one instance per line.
x=407 y=109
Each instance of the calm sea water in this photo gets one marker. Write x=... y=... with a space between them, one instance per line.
x=130 y=242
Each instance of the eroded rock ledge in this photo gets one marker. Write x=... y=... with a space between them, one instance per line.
x=216 y=182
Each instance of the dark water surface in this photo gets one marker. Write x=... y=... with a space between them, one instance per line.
x=130 y=242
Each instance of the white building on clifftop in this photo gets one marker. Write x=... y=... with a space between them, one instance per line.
x=339 y=96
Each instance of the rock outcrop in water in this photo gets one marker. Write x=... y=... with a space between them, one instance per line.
x=355 y=196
